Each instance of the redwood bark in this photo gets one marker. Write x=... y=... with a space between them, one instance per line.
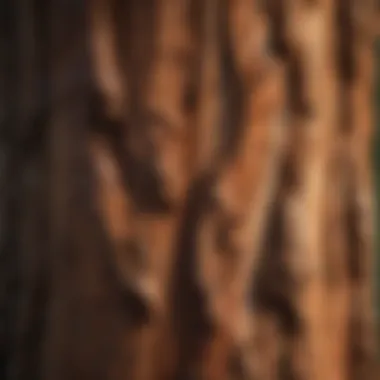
x=187 y=190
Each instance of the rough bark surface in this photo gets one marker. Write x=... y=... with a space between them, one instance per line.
x=186 y=190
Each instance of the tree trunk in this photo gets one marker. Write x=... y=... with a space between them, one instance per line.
x=186 y=190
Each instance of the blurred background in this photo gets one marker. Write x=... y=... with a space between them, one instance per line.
x=376 y=150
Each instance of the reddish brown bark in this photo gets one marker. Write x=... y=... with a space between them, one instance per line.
x=201 y=171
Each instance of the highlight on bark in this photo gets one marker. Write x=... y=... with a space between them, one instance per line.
x=187 y=191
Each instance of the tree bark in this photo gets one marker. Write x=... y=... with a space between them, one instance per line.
x=186 y=190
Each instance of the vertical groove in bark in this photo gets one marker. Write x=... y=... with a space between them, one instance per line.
x=336 y=292
x=229 y=238
x=105 y=57
x=363 y=332
x=210 y=81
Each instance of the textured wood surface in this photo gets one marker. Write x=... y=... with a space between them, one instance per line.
x=186 y=190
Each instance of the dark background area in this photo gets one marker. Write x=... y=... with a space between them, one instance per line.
x=377 y=171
